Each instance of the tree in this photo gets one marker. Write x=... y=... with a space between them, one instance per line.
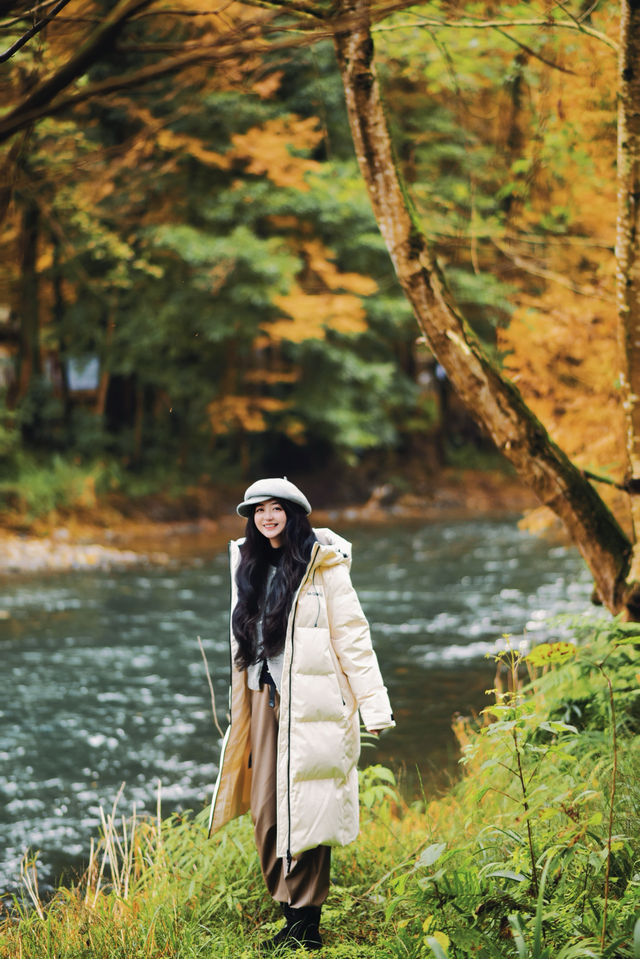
x=516 y=432
x=628 y=249
x=207 y=240
x=542 y=464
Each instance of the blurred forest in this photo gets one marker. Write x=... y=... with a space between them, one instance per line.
x=192 y=282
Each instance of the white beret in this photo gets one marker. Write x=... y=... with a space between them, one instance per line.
x=277 y=488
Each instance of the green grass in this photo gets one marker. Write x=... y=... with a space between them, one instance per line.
x=525 y=857
x=35 y=488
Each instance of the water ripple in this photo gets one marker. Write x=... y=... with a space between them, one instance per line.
x=103 y=680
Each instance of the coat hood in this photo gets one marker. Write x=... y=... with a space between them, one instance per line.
x=333 y=549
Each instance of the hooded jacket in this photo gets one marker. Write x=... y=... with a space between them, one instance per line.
x=330 y=671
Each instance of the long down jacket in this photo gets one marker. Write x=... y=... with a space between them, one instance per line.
x=330 y=670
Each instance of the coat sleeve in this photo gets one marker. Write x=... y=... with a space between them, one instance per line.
x=351 y=641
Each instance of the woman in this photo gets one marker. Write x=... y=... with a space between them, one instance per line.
x=302 y=665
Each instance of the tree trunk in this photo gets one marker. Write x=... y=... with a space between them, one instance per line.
x=628 y=249
x=29 y=361
x=105 y=373
x=493 y=399
x=57 y=312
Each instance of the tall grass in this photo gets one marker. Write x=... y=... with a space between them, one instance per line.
x=32 y=488
x=533 y=854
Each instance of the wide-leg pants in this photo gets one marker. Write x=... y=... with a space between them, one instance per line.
x=307 y=881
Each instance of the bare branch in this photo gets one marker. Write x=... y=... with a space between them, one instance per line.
x=292 y=6
x=32 y=32
x=27 y=14
x=467 y=24
x=101 y=40
x=21 y=117
x=535 y=270
x=533 y=53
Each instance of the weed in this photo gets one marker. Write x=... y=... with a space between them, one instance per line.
x=533 y=854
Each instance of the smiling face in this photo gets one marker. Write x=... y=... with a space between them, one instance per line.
x=271 y=519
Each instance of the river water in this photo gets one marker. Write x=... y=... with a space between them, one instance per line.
x=103 y=683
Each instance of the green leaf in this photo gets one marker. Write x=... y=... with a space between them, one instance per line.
x=431 y=854
x=507 y=874
x=437 y=949
x=550 y=653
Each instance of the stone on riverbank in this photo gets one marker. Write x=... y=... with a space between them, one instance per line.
x=20 y=554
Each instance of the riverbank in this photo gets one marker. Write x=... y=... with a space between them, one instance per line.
x=113 y=534
x=537 y=859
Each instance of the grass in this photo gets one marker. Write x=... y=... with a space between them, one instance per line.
x=34 y=489
x=533 y=854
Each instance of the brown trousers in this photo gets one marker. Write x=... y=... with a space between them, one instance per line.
x=307 y=882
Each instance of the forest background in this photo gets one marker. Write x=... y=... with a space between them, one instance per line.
x=193 y=288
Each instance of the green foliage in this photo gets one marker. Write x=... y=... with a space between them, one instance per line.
x=34 y=487
x=538 y=859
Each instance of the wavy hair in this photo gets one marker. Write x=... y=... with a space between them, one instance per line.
x=251 y=577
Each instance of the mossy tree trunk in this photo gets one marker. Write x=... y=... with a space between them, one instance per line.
x=494 y=400
x=628 y=248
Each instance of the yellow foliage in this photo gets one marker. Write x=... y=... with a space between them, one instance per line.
x=272 y=377
x=182 y=143
x=228 y=413
x=267 y=150
x=314 y=304
x=562 y=340
x=564 y=360
x=317 y=257
x=309 y=315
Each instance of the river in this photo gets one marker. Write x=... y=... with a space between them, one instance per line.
x=103 y=683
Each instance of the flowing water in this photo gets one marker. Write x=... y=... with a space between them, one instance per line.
x=102 y=679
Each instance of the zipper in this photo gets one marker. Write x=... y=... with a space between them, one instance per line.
x=314 y=553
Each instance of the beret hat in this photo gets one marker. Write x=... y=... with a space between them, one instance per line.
x=276 y=488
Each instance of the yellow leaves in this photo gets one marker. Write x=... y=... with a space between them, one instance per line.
x=309 y=315
x=267 y=150
x=441 y=939
x=267 y=86
x=230 y=413
x=564 y=360
x=317 y=257
x=272 y=377
x=314 y=304
x=184 y=144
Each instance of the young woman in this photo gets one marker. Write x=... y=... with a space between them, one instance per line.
x=302 y=666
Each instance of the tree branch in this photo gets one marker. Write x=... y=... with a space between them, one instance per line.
x=99 y=42
x=230 y=48
x=32 y=32
x=294 y=6
x=435 y=23
x=495 y=401
x=540 y=271
x=28 y=14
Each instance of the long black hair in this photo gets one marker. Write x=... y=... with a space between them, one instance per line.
x=251 y=577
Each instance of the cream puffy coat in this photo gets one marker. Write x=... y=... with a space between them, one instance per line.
x=330 y=670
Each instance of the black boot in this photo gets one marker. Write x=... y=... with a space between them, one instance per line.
x=300 y=929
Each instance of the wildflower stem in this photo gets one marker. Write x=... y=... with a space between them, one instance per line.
x=612 y=796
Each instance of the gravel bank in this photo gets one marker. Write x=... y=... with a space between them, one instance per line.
x=22 y=554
